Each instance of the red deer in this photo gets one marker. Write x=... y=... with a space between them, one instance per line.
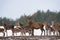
x=56 y=27
x=36 y=25
x=23 y=29
x=48 y=28
x=2 y=30
x=8 y=27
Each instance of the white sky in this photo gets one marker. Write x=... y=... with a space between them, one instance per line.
x=16 y=8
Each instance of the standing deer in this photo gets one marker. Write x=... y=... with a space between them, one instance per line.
x=23 y=29
x=2 y=30
x=48 y=28
x=56 y=27
x=36 y=25
x=8 y=27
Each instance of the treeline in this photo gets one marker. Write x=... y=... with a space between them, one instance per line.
x=7 y=21
x=39 y=16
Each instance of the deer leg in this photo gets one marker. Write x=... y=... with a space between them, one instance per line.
x=47 y=32
x=3 y=33
x=6 y=33
x=59 y=33
x=53 y=32
x=44 y=32
x=29 y=33
x=32 y=32
x=41 y=32
x=12 y=32
x=16 y=33
x=24 y=34
x=21 y=33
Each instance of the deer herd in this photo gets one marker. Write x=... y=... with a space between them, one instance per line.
x=46 y=27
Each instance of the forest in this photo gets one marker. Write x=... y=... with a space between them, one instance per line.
x=39 y=16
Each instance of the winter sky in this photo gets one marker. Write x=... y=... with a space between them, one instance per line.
x=16 y=8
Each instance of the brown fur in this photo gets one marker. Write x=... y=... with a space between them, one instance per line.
x=36 y=25
x=1 y=29
x=8 y=27
x=56 y=27
x=23 y=29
